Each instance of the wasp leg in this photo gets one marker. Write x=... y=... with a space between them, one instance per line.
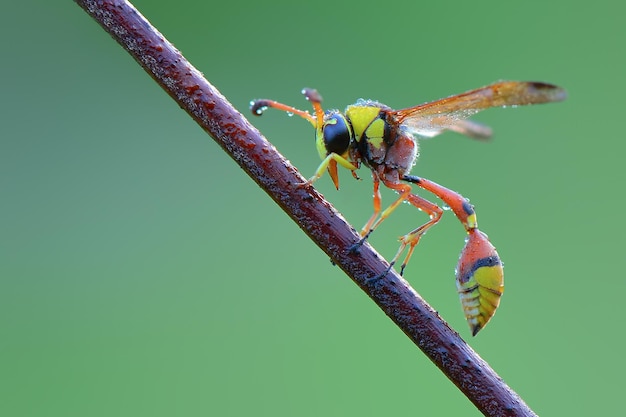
x=412 y=238
x=367 y=229
x=330 y=163
x=379 y=276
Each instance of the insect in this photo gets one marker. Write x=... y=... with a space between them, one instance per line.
x=386 y=142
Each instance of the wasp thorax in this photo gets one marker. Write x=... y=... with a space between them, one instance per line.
x=336 y=134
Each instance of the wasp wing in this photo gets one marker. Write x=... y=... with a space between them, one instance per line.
x=431 y=119
x=471 y=129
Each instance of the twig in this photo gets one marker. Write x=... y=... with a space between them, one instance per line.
x=306 y=207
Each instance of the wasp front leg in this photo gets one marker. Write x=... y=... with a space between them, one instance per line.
x=479 y=273
x=330 y=164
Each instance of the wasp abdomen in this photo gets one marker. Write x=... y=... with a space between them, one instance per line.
x=479 y=280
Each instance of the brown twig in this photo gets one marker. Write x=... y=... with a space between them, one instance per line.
x=306 y=207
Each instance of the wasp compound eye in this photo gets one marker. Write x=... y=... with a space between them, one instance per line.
x=337 y=133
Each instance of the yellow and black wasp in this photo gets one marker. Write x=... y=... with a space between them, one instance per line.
x=385 y=140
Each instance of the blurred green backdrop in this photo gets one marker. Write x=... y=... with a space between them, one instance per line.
x=144 y=274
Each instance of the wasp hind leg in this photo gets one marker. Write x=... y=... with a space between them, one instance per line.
x=412 y=238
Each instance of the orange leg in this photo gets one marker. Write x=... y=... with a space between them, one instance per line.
x=413 y=237
x=367 y=229
x=457 y=203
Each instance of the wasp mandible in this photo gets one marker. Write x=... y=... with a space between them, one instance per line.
x=386 y=141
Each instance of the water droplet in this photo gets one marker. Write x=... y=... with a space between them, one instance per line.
x=446 y=207
x=290 y=114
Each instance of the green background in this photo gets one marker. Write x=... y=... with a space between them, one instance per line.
x=142 y=273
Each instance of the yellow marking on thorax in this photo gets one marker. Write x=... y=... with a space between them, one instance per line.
x=375 y=132
x=361 y=118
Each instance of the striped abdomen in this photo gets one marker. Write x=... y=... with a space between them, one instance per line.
x=479 y=280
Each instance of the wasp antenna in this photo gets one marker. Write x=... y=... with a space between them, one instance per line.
x=315 y=98
x=312 y=95
x=259 y=106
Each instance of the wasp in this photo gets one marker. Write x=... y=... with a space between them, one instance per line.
x=386 y=141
